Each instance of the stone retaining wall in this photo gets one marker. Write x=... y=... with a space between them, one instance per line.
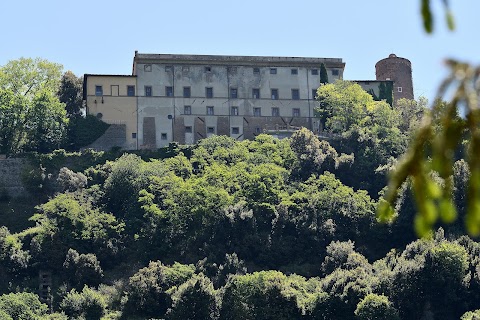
x=11 y=177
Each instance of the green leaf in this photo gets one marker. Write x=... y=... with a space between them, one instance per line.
x=448 y=212
x=427 y=16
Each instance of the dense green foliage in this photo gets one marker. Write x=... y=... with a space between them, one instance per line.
x=70 y=93
x=31 y=116
x=41 y=110
x=374 y=132
x=263 y=229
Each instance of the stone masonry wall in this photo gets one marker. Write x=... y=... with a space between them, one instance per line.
x=11 y=177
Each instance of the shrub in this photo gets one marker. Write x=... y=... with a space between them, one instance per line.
x=83 y=268
x=261 y=295
x=471 y=315
x=24 y=305
x=147 y=290
x=88 y=304
x=195 y=299
x=375 y=307
x=71 y=181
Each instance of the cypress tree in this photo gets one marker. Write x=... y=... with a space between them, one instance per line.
x=323 y=74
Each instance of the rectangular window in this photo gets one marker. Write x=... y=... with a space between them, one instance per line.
x=187 y=110
x=98 y=90
x=234 y=111
x=295 y=94
x=186 y=92
x=210 y=129
x=209 y=93
x=274 y=94
x=168 y=68
x=163 y=136
x=134 y=135
x=314 y=72
x=233 y=93
x=210 y=111
x=257 y=112
x=256 y=93
x=335 y=72
x=169 y=91
x=273 y=70
x=258 y=130
x=275 y=112
x=399 y=89
x=208 y=69
x=114 y=90
x=294 y=71
x=188 y=129
x=256 y=70
x=148 y=91
x=314 y=93
x=235 y=130
x=131 y=91
x=296 y=112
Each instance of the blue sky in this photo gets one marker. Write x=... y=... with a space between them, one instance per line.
x=101 y=36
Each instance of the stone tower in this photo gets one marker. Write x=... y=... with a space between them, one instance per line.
x=399 y=70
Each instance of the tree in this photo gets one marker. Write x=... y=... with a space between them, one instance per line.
x=343 y=105
x=82 y=269
x=147 y=292
x=376 y=307
x=314 y=155
x=446 y=268
x=195 y=299
x=31 y=116
x=25 y=306
x=70 y=93
x=27 y=77
x=323 y=74
x=411 y=113
x=262 y=295
x=88 y=304
x=13 y=109
x=13 y=258
x=71 y=221
x=46 y=123
x=363 y=127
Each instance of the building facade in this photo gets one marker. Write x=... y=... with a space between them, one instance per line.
x=186 y=98
x=113 y=99
x=398 y=70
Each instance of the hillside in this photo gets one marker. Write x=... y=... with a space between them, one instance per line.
x=262 y=229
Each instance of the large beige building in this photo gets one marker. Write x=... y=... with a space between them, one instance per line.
x=113 y=99
x=185 y=98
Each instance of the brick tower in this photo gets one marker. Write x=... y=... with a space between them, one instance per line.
x=399 y=70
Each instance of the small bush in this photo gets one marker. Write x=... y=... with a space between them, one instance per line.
x=88 y=304
x=71 y=181
x=375 y=307
x=83 y=268
x=23 y=305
